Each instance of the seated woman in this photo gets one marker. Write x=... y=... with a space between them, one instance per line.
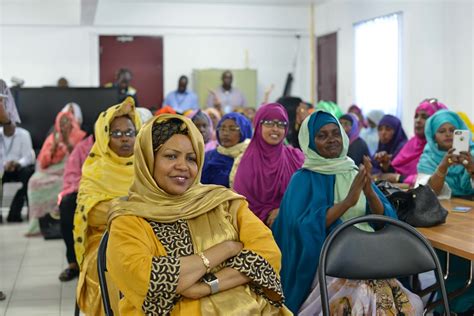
x=267 y=165
x=392 y=137
x=214 y=115
x=204 y=124
x=357 y=147
x=177 y=247
x=233 y=135
x=67 y=203
x=370 y=134
x=106 y=174
x=449 y=174
x=327 y=191
x=46 y=183
x=403 y=168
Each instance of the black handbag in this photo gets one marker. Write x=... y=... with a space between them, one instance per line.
x=418 y=207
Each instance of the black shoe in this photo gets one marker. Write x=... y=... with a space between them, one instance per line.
x=14 y=219
x=68 y=274
x=2 y=296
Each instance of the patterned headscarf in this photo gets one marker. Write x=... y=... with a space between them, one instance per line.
x=160 y=133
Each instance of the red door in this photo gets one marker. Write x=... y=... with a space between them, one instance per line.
x=143 y=56
x=327 y=67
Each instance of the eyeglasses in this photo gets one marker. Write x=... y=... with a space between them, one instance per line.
x=279 y=124
x=128 y=133
x=233 y=129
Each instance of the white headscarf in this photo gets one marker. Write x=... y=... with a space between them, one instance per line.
x=10 y=105
x=77 y=112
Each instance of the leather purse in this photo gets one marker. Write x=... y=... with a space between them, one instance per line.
x=418 y=207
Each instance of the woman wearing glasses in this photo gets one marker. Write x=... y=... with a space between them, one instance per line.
x=233 y=135
x=106 y=174
x=267 y=165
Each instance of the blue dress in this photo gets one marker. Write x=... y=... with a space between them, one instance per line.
x=300 y=230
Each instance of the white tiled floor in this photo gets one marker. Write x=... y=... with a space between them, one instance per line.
x=29 y=270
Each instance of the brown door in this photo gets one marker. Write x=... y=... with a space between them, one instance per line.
x=327 y=67
x=143 y=56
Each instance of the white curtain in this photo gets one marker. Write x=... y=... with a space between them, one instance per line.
x=377 y=64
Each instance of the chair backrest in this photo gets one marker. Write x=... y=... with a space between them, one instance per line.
x=395 y=250
x=102 y=268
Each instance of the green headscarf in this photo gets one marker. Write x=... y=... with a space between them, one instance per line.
x=330 y=107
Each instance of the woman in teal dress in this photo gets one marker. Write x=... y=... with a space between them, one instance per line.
x=328 y=190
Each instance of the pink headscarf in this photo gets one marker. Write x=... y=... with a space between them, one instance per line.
x=265 y=170
x=407 y=159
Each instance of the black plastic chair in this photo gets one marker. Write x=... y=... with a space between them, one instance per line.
x=395 y=250
x=102 y=268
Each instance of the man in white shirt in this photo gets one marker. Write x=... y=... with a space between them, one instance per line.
x=18 y=165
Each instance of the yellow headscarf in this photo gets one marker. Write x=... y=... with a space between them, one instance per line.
x=146 y=199
x=468 y=122
x=105 y=175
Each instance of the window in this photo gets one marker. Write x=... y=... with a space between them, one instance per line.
x=377 y=64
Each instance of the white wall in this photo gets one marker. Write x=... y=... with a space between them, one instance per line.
x=437 y=49
x=201 y=36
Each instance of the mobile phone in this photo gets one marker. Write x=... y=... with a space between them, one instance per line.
x=462 y=209
x=461 y=141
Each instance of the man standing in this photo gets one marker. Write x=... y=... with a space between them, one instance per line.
x=182 y=100
x=225 y=98
x=18 y=165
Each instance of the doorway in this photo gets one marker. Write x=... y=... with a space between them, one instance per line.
x=143 y=56
x=326 y=48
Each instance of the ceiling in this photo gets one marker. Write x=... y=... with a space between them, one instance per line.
x=84 y=12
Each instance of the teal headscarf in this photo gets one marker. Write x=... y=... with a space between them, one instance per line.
x=458 y=179
x=313 y=161
x=342 y=167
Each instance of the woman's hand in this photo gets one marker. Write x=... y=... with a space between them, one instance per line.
x=448 y=160
x=356 y=188
x=466 y=160
x=368 y=190
x=197 y=291
x=271 y=217
x=384 y=159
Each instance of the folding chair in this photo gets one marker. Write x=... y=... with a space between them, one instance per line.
x=395 y=250
x=102 y=268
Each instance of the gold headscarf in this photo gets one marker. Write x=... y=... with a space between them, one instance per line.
x=146 y=199
x=105 y=175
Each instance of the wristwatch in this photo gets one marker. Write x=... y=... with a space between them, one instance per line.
x=213 y=282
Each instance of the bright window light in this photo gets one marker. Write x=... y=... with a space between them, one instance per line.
x=377 y=64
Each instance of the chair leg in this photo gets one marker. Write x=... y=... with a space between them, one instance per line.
x=76 y=310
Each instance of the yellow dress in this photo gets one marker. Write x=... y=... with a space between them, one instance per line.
x=142 y=261
x=88 y=288
x=105 y=176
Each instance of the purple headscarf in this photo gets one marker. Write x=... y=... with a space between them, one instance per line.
x=265 y=170
x=399 y=137
x=355 y=130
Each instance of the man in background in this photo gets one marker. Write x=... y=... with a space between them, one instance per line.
x=123 y=77
x=182 y=99
x=18 y=165
x=225 y=98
